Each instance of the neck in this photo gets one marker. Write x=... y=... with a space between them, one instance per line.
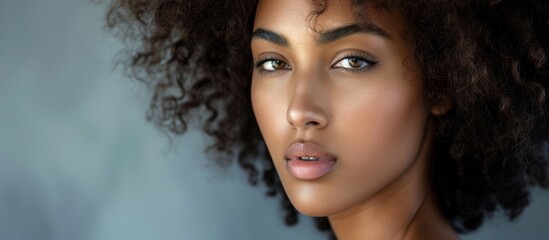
x=405 y=209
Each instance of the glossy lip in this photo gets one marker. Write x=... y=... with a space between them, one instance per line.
x=308 y=169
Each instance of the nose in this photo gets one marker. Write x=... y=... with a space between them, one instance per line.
x=307 y=108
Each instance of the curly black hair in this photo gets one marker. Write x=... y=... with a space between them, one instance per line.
x=487 y=57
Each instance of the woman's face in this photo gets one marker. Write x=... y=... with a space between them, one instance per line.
x=342 y=115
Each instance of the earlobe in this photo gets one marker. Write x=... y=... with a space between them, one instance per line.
x=442 y=106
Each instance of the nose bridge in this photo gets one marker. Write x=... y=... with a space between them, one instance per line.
x=307 y=107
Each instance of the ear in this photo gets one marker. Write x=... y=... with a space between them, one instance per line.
x=442 y=106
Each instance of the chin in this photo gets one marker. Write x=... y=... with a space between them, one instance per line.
x=317 y=198
x=319 y=208
x=316 y=210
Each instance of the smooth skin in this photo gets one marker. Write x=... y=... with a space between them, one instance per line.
x=354 y=92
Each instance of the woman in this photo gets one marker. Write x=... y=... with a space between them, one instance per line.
x=393 y=119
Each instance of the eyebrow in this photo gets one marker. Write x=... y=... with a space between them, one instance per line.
x=270 y=36
x=335 y=34
x=329 y=36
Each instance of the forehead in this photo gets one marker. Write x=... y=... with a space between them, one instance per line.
x=295 y=17
x=287 y=13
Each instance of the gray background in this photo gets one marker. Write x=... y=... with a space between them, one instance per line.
x=79 y=161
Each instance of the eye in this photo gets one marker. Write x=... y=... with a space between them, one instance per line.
x=271 y=65
x=354 y=63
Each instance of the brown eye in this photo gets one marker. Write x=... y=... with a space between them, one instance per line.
x=274 y=64
x=277 y=64
x=354 y=63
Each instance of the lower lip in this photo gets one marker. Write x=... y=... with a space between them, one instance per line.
x=309 y=170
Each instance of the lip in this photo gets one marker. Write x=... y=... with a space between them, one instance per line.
x=322 y=164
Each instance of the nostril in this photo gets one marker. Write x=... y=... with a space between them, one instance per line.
x=311 y=123
x=299 y=118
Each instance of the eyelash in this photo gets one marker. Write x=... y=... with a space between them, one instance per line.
x=361 y=57
x=258 y=65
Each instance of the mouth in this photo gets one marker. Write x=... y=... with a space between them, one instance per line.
x=308 y=161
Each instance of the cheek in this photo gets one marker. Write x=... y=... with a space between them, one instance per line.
x=382 y=136
x=389 y=120
x=269 y=110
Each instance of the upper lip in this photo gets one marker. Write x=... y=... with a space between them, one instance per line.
x=308 y=149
